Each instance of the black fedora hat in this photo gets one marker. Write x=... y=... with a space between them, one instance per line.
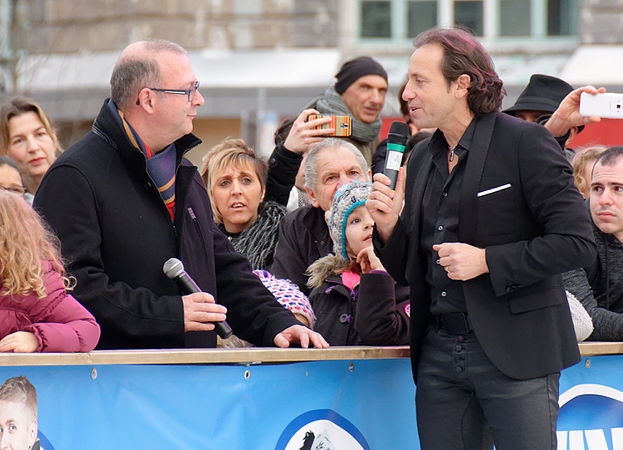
x=543 y=93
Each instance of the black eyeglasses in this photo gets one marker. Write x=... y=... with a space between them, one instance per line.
x=190 y=93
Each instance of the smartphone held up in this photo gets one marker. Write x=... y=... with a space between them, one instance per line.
x=607 y=105
x=342 y=125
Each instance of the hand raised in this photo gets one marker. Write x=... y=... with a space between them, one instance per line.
x=385 y=204
x=303 y=136
x=567 y=115
x=368 y=260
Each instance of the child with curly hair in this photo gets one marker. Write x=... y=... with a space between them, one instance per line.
x=36 y=312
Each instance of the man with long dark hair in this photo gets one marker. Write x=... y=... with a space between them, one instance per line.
x=491 y=219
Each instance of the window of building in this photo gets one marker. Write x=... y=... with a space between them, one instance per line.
x=400 y=20
x=376 y=19
x=515 y=18
x=468 y=13
x=421 y=15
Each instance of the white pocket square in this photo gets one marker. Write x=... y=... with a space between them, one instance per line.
x=492 y=190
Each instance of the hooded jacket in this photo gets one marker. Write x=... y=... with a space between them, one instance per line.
x=375 y=312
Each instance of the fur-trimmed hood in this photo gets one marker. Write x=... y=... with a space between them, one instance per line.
x=324 y=268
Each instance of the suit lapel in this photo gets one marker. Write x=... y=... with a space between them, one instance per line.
x=417 y=177
x=472 y=176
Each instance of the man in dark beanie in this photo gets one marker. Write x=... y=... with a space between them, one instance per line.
x=359 y=92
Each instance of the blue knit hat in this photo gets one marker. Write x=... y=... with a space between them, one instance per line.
x=345 y=200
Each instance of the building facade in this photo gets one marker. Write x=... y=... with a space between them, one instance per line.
x=258 y=60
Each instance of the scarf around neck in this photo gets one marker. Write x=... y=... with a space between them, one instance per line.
x=332 y=103
x=160 y=166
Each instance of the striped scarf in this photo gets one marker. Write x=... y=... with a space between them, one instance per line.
x=160 y=166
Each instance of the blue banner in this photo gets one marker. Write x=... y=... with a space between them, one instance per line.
x=367 y=402
x=360 y=404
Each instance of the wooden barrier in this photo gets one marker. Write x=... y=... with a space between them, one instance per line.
x=241 y=356
x=260 y=398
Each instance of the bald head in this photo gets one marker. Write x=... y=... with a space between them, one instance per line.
x=138 y=67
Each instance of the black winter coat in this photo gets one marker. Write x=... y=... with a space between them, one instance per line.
x=374 y=313
x=303 y=239
x=116 y=233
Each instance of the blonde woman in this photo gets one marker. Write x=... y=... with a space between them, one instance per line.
x=583 y=163
x=27 y=136
x=235 y=178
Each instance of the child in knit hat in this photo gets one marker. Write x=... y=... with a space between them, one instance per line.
x=355 y=300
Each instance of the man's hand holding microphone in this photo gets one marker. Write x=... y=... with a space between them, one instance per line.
x=202 y=313
x=385 y=200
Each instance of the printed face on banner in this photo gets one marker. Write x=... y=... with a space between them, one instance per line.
x=18 y=426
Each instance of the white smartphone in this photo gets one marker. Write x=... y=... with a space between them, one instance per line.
x=608 y=105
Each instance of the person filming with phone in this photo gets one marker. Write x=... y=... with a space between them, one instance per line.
x=359 y=92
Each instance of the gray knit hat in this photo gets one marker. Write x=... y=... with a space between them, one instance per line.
x=345 y=200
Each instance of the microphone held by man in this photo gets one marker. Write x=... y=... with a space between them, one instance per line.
x=173 y=268
x=396 y=143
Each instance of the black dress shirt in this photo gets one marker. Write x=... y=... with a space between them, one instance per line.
x=440 y=219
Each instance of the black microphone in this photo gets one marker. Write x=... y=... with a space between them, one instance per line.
x=396 y=142
x=174 y=269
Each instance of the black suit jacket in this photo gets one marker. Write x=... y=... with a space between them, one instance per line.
x=532 y=230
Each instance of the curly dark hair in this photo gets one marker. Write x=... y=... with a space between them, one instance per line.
x=463 y=54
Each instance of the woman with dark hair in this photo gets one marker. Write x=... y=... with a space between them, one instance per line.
x=27 y=136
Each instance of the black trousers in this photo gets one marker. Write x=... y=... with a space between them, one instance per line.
x=464 y=402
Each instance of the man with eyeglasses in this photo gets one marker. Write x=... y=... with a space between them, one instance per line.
x=123 y=200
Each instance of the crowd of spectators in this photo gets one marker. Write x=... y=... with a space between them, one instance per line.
x=124 y=199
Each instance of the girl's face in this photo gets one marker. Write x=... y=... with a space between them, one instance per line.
x=30 y=144
x=358 y=232
x=237 y=193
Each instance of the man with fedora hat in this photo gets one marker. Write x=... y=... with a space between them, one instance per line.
x=539 y=100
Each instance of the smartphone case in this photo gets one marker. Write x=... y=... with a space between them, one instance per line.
x=607 y=105
x=343 y=125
